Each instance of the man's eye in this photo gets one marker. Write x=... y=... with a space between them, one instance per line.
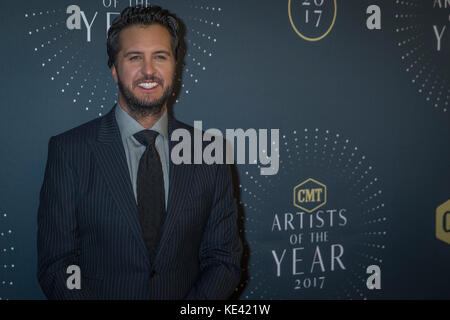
x=160 y=57
x=135 y=58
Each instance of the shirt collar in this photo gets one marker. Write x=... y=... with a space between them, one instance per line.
x=128 y=126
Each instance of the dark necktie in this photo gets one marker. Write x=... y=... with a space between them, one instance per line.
x=150 y=191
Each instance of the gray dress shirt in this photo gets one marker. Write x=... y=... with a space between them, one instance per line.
x=134 y=150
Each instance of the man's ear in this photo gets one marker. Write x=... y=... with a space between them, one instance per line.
x=114 y=73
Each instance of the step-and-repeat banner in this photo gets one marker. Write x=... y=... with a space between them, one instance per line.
x=344 y=182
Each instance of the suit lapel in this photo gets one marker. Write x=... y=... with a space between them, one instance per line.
x=180 y=177
x=111 y=159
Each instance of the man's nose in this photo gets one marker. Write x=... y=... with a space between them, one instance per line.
x=148 y=68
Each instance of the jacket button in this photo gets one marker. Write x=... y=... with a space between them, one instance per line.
x=152 y=274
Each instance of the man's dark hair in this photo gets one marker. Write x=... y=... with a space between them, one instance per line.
x=144 y=16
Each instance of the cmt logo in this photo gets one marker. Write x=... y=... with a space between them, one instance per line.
x=310 y=195
x=443 y=222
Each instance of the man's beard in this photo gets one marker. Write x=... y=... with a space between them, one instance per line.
x=144 y=107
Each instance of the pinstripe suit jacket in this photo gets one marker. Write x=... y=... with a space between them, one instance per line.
x=88 y=217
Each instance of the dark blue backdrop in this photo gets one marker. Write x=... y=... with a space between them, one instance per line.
x=364 y=112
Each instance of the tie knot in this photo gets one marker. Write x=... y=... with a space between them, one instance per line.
x=146 y=137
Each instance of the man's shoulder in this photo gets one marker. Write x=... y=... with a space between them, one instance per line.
x=175 y=124
x=83 y=133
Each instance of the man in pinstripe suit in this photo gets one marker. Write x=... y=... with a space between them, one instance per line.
x=88 y=211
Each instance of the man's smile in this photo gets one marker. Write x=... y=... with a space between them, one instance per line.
x=148 y=86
